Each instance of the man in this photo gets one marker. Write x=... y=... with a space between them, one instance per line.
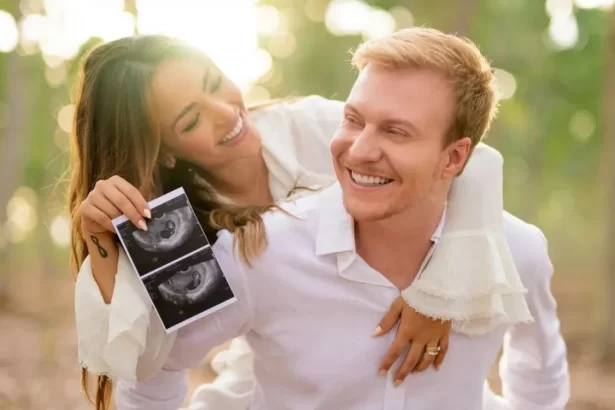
x=421 y=103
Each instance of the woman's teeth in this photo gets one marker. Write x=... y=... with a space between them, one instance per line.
x=235 y=131
x=369 y=180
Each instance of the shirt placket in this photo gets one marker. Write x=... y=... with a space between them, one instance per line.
x=394 y=397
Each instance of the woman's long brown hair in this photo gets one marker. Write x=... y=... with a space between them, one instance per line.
x=114 y=133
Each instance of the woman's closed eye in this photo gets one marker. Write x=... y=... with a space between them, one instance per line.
x=189 y=127
x=216 y=84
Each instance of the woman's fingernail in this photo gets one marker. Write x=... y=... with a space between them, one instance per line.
x=397 y=383
x=377 y=331
x=147 y=213
x=382 y=372
x=142 y=225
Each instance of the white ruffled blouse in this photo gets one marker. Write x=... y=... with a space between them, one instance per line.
x=470 y=279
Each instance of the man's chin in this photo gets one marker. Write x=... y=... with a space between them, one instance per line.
x=362 y=212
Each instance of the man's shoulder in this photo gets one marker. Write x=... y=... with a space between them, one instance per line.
x=528 y=247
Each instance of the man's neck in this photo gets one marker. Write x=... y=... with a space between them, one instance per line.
x=397 y=246
x=245 y=182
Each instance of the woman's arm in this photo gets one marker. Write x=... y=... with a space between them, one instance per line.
x=166 y=386
x=112 y=336
x=112 y=313
x=103 y=251
x=109 y=199
x=471 y=277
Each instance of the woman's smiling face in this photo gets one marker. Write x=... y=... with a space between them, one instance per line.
x=201 y=113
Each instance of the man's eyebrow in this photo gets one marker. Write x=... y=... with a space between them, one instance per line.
x=392 y=121
x=407 y=123
x=350 y=107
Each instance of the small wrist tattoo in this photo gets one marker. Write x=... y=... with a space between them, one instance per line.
x=101 y=250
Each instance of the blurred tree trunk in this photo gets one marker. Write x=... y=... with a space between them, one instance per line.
x=609 y=156
x=12 y=149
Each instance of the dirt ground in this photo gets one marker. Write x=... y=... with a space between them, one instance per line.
x=38 y=368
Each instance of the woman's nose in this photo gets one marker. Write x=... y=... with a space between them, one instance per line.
x=221 y=110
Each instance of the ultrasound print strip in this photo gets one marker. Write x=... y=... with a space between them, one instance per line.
x=172 y=232
x=189 y=289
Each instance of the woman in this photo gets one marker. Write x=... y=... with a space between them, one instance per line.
x=153 y=115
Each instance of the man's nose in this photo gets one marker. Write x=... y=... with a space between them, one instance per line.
x=365 y=147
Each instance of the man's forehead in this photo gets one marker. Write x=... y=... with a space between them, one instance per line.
x=400 y=93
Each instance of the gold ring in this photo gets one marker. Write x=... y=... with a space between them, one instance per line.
x=432 y=350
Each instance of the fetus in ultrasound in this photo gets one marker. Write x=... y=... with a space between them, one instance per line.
x=167 y=231
x=192 y=285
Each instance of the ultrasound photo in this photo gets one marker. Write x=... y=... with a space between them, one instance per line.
x=172 y=232
x=188 y=289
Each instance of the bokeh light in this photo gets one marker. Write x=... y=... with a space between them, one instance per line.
x=380 y=24
x=282 y=44
x=268 y=20
x=65 y=117
x=505 y=83
x=233 y=46
x=559 y=8
x=61 y=140
x=56 y=76
x=59 y=229
x=257 y=94
x=402 y=16
x=261 y=63
x=9 y=34
x=564 y=31
x=594 y=4
x=21 y=214
x=315 y=10
x=33 y=27
x=355 y=17
x=582 y=125
x=347 y=17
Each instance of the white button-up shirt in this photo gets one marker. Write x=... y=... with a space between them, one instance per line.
x=309 y=304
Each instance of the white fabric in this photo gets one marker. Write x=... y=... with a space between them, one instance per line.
x=473 y=255
x=296 y=140
x=295 y=306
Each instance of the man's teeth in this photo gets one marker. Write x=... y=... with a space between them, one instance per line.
x=235 y=131
x=369 y=180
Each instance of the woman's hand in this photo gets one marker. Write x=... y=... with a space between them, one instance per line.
x=421 y=332
x=109 y=199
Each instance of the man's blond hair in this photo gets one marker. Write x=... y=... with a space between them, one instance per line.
x=457 y=58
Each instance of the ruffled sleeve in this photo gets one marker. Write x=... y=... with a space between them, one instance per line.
x=471 y=278
x=112 y=337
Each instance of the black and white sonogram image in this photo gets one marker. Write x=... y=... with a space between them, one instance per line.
x=172 y=232
x=188 y=289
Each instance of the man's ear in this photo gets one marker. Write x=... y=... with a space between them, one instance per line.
x=457 y=154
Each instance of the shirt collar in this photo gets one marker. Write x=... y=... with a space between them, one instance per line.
x=335 y=231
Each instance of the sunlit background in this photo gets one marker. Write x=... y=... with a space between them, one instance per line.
x=554 y=61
